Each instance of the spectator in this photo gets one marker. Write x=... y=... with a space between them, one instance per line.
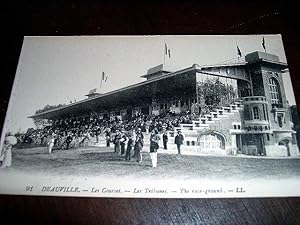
x=69 y=140
x=130 y=144
x=139 y=143
x=179 y=141
x=117 y=141
x=108 y=137
x=154 y=139
x=6 y=154
x=51 y=144
x=123 y=142
x=165 y=139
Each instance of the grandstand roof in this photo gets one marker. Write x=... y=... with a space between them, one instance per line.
x=152 y=76
x=86 y=104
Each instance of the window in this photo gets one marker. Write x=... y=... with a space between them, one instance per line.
x=256 y=113
x=274 y=89
x=280 y=118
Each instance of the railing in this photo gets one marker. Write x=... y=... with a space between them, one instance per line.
x=254 y=98
x=277 y=105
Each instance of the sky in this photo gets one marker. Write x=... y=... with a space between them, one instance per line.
x=57 y=70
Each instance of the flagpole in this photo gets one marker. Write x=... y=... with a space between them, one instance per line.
x=101 y=80
x=164 y=54
x=264 y=44
x=238 y=53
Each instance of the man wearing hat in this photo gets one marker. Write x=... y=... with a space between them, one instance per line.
x=117 y=141
x=107 y=137
x=179 y=141
x=123 y=141
x=130 y=145
x=139 y=143
x=154 y=139
x=50 y=143
x=165 y=139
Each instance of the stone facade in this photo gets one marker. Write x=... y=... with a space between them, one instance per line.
x=254 y=117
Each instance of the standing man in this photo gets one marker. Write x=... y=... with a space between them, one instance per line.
x=68 y=141
x=50 y=144
x=130 y=144
x=117 y=142
x=107 y=137
x=179 y=141
x=123 y=142
x=97 y=133
x=139 y=143
x=165 y=139
x=154 y=139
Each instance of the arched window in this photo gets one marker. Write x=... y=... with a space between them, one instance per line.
x=244 y=89
x=256 y=115
x=274 y=88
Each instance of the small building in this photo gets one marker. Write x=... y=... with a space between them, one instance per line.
x=242 y=106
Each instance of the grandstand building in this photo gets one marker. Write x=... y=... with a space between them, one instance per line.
x=242 y=106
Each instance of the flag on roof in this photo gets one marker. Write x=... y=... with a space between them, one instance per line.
x=263 y=43
x=104 y=76
x=239 y=51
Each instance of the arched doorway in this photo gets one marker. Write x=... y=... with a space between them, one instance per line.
x=211 y=141
x=285 y=143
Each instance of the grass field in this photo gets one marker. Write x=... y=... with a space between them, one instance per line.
x=94 y=161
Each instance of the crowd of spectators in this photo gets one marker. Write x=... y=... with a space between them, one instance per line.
x=77 y=131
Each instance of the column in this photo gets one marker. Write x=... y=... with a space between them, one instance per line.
x=233 y=144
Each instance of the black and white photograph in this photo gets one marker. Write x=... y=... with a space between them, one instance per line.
x=152 y=117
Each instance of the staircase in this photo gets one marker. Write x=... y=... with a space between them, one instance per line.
x=221 y=117
x=207 y=120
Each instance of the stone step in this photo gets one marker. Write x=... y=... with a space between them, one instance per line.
x=226 y=109
x=196 y=121
x=201 y=128
x=228 y=113
x=240 y=108
x=223 y=116
x=204 y=125
x=184 y=125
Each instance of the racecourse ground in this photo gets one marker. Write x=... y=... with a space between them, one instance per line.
x=94 y=161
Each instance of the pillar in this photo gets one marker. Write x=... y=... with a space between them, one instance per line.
x=233 y=144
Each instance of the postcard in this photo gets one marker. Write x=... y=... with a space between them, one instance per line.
x=151 y=117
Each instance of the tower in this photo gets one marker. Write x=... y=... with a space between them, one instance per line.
x=266 y=112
